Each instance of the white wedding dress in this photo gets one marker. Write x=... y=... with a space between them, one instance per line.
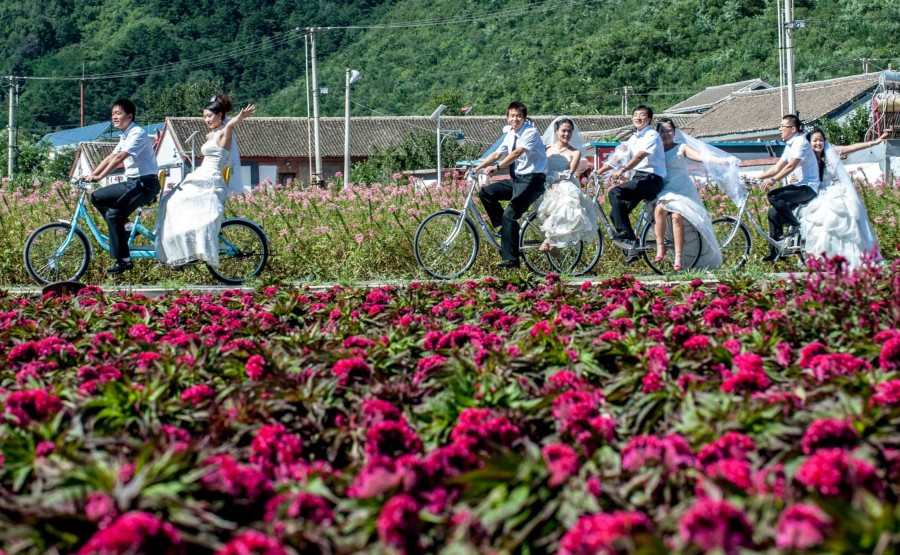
x=680 y=195
x=835 y=222
x=568 y=214
x=190 y=215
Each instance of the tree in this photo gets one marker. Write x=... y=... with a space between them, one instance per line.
x=179 y=100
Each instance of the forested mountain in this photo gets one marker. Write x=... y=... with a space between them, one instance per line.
x=571 y=56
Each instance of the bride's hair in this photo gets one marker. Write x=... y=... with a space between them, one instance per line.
x=220 y=104
x=561 y=121
x=662 y=121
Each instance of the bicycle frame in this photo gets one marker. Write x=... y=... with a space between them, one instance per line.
x=643 y=218
x=793 y=244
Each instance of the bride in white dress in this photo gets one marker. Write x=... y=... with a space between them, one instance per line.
x=568 y=214
x=190 y=216
x=680 y=197
x=835 y=222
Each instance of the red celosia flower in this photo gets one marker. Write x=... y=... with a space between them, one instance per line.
x=299 y=506
x=801 y=527
x=671 y=451
x=730 y=446
x=714 y=524
x=398 y=524
x=242 y=483
x=561 y=460
x=835 y=472
x=887 y=394
x=810 y=351
x=255 y=367
x=697 y=343
x=134 y=532
x=715 y=317
x=604 y=533
x=197 y=394
x=274 y=450
x=652 y=381
x=829 y=432
x=351 y=369
x=486 y=428
x=889 y=359
x=748 y=378
x=783 y=354
x=32 y=404
x=100 y=509
x=378 y=410
x=657 y=359
x=252 y=543
x=391 y=438
x=731 y=471
x=542 y=328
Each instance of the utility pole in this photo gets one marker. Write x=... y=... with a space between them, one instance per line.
x=625 y=100
x=315 y=87
x=865 y=63
x=790 y=25
x=82 y=94
x=11 y=127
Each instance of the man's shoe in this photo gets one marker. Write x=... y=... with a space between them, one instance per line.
x=631 y=256
x=508 y=264
x=792 y=230
x=119 y=267
x=771 y=257
x=622 y=236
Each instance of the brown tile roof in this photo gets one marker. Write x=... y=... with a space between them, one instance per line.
x=264 y=137
x=96 y=151
x=710 y=95
x=755 y=111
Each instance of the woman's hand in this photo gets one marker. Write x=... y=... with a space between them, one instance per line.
x=247 y=111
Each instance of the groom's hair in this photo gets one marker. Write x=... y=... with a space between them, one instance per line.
x=645 y=108
x=127 y=106
x=793 y=121
x=516 y=105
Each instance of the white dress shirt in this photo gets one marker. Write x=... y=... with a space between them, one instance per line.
x=807 y=171
x=139 y=145
x=647 y=140
x=534 y=158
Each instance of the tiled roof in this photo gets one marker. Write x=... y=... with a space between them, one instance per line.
x=755 y=111
x=265 y=137
x=710 y=95
x=96 y=151
x=97 y=131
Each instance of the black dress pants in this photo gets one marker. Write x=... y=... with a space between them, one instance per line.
x=784 y=200
x=624 y=198
x=530 y=188
x=116 y=202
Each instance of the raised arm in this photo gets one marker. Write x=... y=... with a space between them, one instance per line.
x=224 y=140
x=847 y=149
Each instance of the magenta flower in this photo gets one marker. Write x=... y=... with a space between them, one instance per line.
x=274 y=449
x=657 y=359
x=604 y=533
x=731 y=471
x=134 y=532
x=714 y=524
x=887 y=394
x=392 y=438
x=252 y=543
x=351 y=369
x=889 y=359
x=486 y=428
x=801 y=527
x=398 y=524
x=732 y=445
x=652 y=381
x=242 y=483
x=100 y=509
x=561 y=461
x=195 y=395
x=299 y=506
x=32 y=405
x=829 y=432
x=255 y=367
x=834 y=472
x=378 y=410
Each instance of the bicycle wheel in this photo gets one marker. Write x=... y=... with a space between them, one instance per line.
x=44 y=262
x=243 y=252
x=439 y=252
x=559 y=260
x=690 y=249
x=735 y=252
x=591 y=251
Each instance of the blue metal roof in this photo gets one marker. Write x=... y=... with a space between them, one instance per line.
x=95 y=132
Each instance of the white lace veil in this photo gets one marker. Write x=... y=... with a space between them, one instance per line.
x=835 y=175
x=576 y=142
x=717 y=167
x=236 y=179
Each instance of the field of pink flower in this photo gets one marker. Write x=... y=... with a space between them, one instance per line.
x=473 y=417
x=359 y=232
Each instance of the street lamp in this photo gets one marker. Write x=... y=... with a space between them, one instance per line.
x=352 y=77
x=436 y=117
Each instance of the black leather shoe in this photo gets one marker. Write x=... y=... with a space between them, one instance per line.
x=508 y=264
x=119 y=267
x=772 y=257
x=631 y=256
x=622 y=236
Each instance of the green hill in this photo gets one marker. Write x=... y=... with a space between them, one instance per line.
x=558 y=56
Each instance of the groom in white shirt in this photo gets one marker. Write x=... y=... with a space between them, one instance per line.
x=649 y=164
x=523 y=146
x=797 y=164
